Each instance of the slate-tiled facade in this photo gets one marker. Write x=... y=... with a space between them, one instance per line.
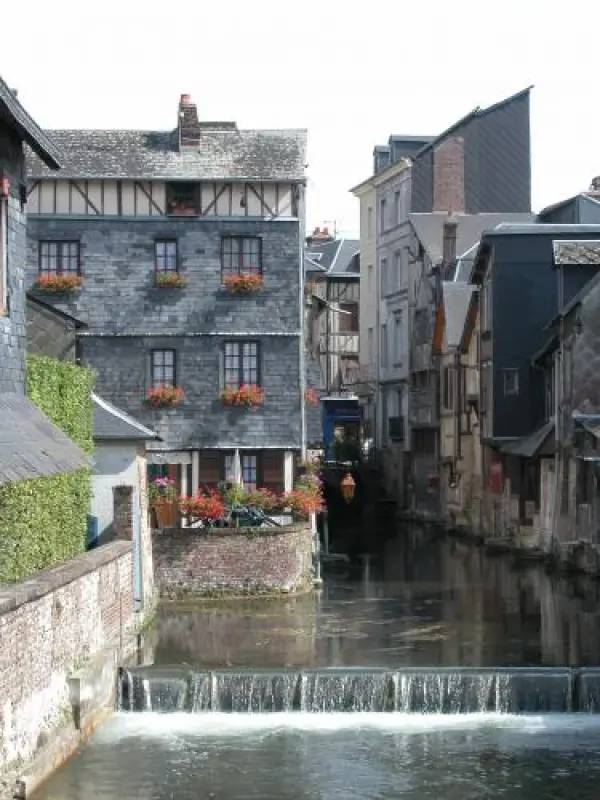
x=126 y=316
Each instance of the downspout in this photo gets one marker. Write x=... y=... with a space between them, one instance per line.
x=302 y=353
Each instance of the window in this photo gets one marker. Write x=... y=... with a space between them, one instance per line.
x=384 y=276
x=382 y=221
x=448 y=389
x=165 y=255
x=241 y=364
x=59 y=258
x=241 y=255
x=384 y=345
x=163 y=368
x=259 y=469
x=486 y=306
x=249 y=466
x=511 y=381
x=370 y=222
x=398 y=338
x=397 y=206
x=349 y=319
x=183 y=199
x=370 y=353
x=3 y=255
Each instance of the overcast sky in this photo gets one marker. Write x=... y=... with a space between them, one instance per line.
x=349 y=73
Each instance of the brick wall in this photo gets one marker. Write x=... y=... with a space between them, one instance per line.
x=49 y=625
x=188 y=561
x=449 y=176
x=12 y=324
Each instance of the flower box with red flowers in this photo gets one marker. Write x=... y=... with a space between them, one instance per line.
x=245 y=396
x=205 y=506
x=169 y=280
x=243 y=284
x=59 y=283
x=165 y=397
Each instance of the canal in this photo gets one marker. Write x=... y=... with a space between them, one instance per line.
x=425 y=602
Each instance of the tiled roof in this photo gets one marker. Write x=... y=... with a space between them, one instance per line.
x=429 y=229
x=31 y=446
x=110 y=423
x=337 y=258
x=11 y=110
x=225 y=153
x=457 y=300
x=576 y=251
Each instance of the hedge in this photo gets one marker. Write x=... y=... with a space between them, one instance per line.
x=44 y=521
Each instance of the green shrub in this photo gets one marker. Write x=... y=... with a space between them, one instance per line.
x=44 y=521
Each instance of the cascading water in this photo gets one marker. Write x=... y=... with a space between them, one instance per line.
x=409 y=690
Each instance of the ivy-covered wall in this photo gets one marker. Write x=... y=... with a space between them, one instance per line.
x=44 y=521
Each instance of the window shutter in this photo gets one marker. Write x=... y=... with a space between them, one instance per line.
x=272 y=471
x=210 y=469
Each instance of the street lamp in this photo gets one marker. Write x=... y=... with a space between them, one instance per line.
x=348 y=487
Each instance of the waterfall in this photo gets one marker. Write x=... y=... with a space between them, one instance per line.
x=452 y=690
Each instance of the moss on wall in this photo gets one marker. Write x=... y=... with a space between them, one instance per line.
x=44 y=521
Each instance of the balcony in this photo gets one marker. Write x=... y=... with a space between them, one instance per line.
x=344 y=344
x=423 y=411
x=396 y=429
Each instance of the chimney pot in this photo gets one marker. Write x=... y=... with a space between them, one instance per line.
x=185 y=99
x=325 y=231
x=595 y=183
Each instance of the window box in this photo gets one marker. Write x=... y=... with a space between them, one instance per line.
x=243 y=284
x=165 y=396
x=169 y=280
x=59 y=283
x=246 y=396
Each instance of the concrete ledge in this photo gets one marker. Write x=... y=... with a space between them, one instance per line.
x=43 y=583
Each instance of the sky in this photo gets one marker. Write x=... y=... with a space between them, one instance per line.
x=351 y=74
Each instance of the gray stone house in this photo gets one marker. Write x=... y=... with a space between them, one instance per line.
x=31 y=446
x=148 y=227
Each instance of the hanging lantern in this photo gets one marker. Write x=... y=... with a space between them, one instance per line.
x=348 y=486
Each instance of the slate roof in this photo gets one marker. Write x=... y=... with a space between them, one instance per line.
x=576 y=251
x=15 y=115
x=112 y=424
x=429 y=228
x=339 y=258
x=31 y=446
x=456 y=298
x=225 y=153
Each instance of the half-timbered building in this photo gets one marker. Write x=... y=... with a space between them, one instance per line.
x=144 y=230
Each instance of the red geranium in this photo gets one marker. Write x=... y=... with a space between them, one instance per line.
x=165 y=396
x=206 y=506
x=244 y=284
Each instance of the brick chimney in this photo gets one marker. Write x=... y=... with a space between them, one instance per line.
x=449 y=176
x=595 y=185
x=187 y=123
x=449 y=241
x=319 y=236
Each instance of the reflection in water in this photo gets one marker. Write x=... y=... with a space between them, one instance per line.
x=424 y=601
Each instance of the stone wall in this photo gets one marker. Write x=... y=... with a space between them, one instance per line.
x=260 y=560
x=12 y=318
x=52 y=627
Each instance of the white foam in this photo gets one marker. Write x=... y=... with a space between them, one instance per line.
x=155 y=725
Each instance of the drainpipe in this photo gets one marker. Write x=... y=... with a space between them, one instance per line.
x=302 y=353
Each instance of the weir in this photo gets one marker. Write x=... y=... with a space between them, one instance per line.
x=460 y=690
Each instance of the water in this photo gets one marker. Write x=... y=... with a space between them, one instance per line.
x=360 y=756
x=432 y=672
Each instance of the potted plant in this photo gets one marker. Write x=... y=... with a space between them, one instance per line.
x=59 y=283
x=161 y=497
x=244 y=283
x=246 y=396
x=206 y=507
x=306 y=497
x=169 y=280
x=165 y=396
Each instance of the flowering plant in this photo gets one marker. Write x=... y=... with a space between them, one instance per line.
x=169 y=280
x=244 y=283
x=247 y=395
x=307 y=496
x=265 y=499
x=207 y=506
x=311 y=396
x=59 y=283
x=165 y=396
x=161 y=489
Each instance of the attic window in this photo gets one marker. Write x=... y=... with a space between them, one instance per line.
x=183 y=199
